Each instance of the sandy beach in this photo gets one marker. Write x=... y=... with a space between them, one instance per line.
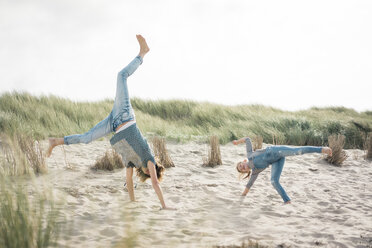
x=331 y=206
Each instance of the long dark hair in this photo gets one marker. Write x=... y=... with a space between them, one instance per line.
x=159 y=172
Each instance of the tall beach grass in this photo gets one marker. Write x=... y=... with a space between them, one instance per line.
x=182 y=120
x=21 y=155
x=30 y=215
x=29 y=212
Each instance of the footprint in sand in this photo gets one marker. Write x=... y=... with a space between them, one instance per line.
x=337 y=244
x=310 y=193
x=226 y=232
x=212 y=172
x=82 y=238
x=174 y=199
x=273 y=214
x=180 y=236
x=104 y=204
x=196 y=152
x=86 y=216
x=212 y=185
x=187 y=232
x=322 y=203
x=108 y=232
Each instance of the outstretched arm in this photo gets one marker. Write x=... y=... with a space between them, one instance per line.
x=156 y=185
x=251 y=181
x=248 y=144
x=239 y=141
x=245 y=192
x=129 y=180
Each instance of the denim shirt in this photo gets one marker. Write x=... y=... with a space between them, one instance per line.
x=251 y=155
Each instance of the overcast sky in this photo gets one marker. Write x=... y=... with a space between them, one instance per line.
x=290 y=55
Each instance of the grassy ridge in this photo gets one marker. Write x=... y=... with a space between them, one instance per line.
x=181 y=120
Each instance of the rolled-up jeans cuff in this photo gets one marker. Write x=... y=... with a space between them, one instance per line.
x=140 y=59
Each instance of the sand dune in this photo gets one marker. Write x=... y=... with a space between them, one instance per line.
x=331 y=206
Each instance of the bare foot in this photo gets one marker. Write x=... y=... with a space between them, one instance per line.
x=144 y=48
x=53 y=142
x=287 y=202
x=327 y=151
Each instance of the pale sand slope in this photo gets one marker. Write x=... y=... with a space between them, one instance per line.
x=332 y=206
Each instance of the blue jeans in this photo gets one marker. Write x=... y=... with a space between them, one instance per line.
x=275 y=155
x=122 y=110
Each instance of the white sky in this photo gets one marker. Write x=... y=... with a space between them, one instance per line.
x=286 y=54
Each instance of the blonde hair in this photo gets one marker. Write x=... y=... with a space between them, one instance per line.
x=241 y=175
x=143 y=176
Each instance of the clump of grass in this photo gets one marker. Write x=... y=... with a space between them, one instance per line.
x=214 y=154
x=21 y=156
x=110 y=161
x=26 y=221
x=33 y=153
x=161 y=152
x=369 y=147
x=336 y=143
x=257 y=142
x=277 y=139
x=249 y=244
x=366 y=133
x=13 y=161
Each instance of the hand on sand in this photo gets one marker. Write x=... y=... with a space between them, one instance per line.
x=235 y=142
x=241 y=198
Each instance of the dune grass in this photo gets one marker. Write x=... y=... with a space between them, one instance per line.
x=161 y=152
x=110 y=161
x=181 y=120
x=369 y=147
x=21 y=155
x=257 y=142
x=28 y=213
x=336 y=143
x=214 y=153
x=27 y=219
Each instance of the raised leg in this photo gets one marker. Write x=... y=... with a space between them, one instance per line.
x=121 y=106
x=122 y=110
x=284 y=151
x=144 y=48
x=98 y=131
